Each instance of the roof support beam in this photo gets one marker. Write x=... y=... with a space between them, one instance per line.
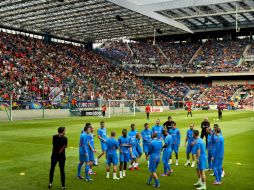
x=183 y=4
x=39 y=13
x=214 y=14
x=150 y=13
x=83 y=14
x=101 y=22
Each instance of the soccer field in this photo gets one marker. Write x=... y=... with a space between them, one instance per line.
x=26 y=149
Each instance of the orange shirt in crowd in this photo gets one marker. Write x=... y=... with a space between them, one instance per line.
x=73 y=102
x=104 y=108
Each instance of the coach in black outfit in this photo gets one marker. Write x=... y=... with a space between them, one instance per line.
x=58 y=155
x=168 y=124
x=220 y=112
x=204 y=125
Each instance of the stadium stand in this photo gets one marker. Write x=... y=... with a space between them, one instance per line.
x=179 y=54
x=210 y=57
x=79 y=72
x=117 y=51
x=217 y=94
x=142 y=52
x=220 y=56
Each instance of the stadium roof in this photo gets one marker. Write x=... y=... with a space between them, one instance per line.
x=85 y=20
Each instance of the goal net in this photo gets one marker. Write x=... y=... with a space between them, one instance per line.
x=120 y=107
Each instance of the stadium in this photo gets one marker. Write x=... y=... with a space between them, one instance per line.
x=109 y=74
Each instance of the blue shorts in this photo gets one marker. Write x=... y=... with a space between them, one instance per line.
x=112 y=159
x=145 y=148
x=139 y=150
x=217 y=162
x=190 y=149
x=91 y=155
x=153 y=164
x=175 y=148
x=201 y=164
x=135 y=154
x=125 y=157
x=166 y=155
x=103 y=147
x=83 y=158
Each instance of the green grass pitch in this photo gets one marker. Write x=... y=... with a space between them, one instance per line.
x=26 y=148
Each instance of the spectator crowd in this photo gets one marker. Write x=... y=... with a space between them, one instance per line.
x=210 y=57
x=29 y=68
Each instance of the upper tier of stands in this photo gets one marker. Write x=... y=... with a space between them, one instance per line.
x=210 y=57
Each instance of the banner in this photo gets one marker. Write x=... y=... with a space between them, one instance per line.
x=157 y=109
x=4 y=106
x=91 y=113
x=87 y=104
x=55 y=94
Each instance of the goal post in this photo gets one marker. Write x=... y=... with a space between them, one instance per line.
x=120 y=107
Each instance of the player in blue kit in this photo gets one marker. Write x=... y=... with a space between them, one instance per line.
x=111 y=155
x=189 y=143
x=91 y=149
x=154 y=153
x=132 y=134
x=147 y=138
x=210 y=147
x=217 y=156
x=83 y=153
x=176 y=139
x=200 y=152
x=157 y=128
x=135 y=155
x=102 y=135
x=139 y=149
x=125 y=152
x=215 y=127
x=167 y=151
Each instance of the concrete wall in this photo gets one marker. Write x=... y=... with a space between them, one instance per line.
x=35 y=114
x=57 y=113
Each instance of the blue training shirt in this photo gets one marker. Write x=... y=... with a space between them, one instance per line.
x=176 y=137
x=134 y=144
x=168 y=141
x=210 y=142
x=102 y=132
x=200 y=145
x=146 y=136
x=112 y=145
x=124 y=141
x=155 y=148
x=132 y=134
x=91 y=140
x=83 y=143
x=190 y=137
x=218 y=147
x=157 y=129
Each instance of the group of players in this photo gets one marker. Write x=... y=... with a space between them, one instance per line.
x=165 y=139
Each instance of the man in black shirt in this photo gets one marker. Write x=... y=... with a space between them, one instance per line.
x=204 y=125
x=220 y=112
x=58 y=155
x=168 y=124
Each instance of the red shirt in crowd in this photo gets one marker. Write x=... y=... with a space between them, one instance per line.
x=148 y=109
x=104 y=108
